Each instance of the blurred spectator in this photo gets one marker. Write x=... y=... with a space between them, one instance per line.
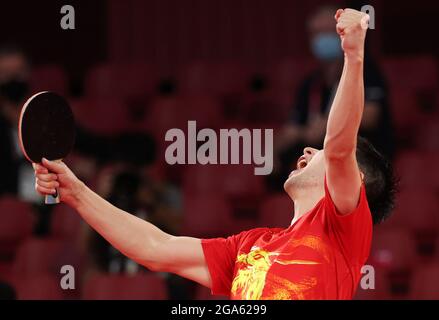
x=17 y=174
x=14 y=89
x=146 y=199
x=133 y=191
x=314 y=98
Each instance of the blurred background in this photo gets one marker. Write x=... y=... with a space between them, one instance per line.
x=134 y=69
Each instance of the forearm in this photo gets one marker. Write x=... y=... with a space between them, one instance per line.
x=346 y=112
x=134 y=237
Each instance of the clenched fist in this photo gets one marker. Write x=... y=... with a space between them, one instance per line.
x=352 y=27
x=51 y=175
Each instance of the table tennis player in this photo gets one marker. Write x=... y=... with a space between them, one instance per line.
x=338 y=193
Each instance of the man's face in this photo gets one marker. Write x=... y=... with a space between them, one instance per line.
x=308 y=173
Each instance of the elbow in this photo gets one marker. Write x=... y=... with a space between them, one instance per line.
x=152 y=265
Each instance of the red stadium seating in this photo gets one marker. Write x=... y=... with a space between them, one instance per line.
x=132 y=80
x=66 y=223
x=219 y=79
x=405 y=110
x=206 y=216
x=120 y=287
x=417 y=72
x=239 y=186
x=417 y=209
x=168 y=113
x=39 y=256
x=381 y=290
x=230 y=180
x=276 y=211
x=287 y=74
x=49 y=77
x=39 y=287
x=393 y=256
x=414 y=168
x=392 y=249
x=6 y=271
x=16 y=224
x=427 y=139
x=102 y=116
x=425 y=282
x=266 y=109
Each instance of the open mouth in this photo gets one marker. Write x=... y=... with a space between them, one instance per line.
x=301 y=163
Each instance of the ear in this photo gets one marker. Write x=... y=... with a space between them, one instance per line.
x=362 y=176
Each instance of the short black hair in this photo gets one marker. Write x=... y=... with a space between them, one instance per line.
x=379 y=180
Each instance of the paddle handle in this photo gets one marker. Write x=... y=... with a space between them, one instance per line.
x=53 y=198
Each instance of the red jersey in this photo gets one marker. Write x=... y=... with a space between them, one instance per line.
x=318 y=257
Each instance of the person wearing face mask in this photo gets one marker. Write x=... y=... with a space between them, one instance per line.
x=14 y=89
x=315 y=94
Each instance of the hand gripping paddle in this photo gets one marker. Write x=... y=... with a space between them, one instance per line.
x=46 y=129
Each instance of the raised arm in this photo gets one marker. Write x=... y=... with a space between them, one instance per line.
x=137 y=239
x=342 y=172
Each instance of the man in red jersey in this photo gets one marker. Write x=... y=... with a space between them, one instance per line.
x=338 y=193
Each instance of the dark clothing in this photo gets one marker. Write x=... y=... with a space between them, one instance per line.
x=316 y=97
x=9 y=163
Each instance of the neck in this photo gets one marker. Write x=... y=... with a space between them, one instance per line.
x=305 y=203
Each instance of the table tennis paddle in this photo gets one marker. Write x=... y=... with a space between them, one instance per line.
x=46 y=128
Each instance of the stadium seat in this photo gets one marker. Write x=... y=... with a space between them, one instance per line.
x=236 y=183
x=265 y=109
x=219 y=79
x=206 y=110
x=121 y=287
x=381 y=290
x=40 y=256
x=276 y=211
x=393 y=255
x=206 y=216
x=65 y=223
x=5 y=270
x=102 y=116
x=427 y=139
x=406 y=111
x=288 y=73
x=425 y=282
x=175 y=112
x=417 y=72
x=38 y=287
x=127 y=81
x=230 y=180
x=392 y=249
x=417 y=209
x=49 y=77
x=414 y=169
x=17 y=220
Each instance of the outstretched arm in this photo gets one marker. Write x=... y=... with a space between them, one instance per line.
x=342 y=172
x=137 y=239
